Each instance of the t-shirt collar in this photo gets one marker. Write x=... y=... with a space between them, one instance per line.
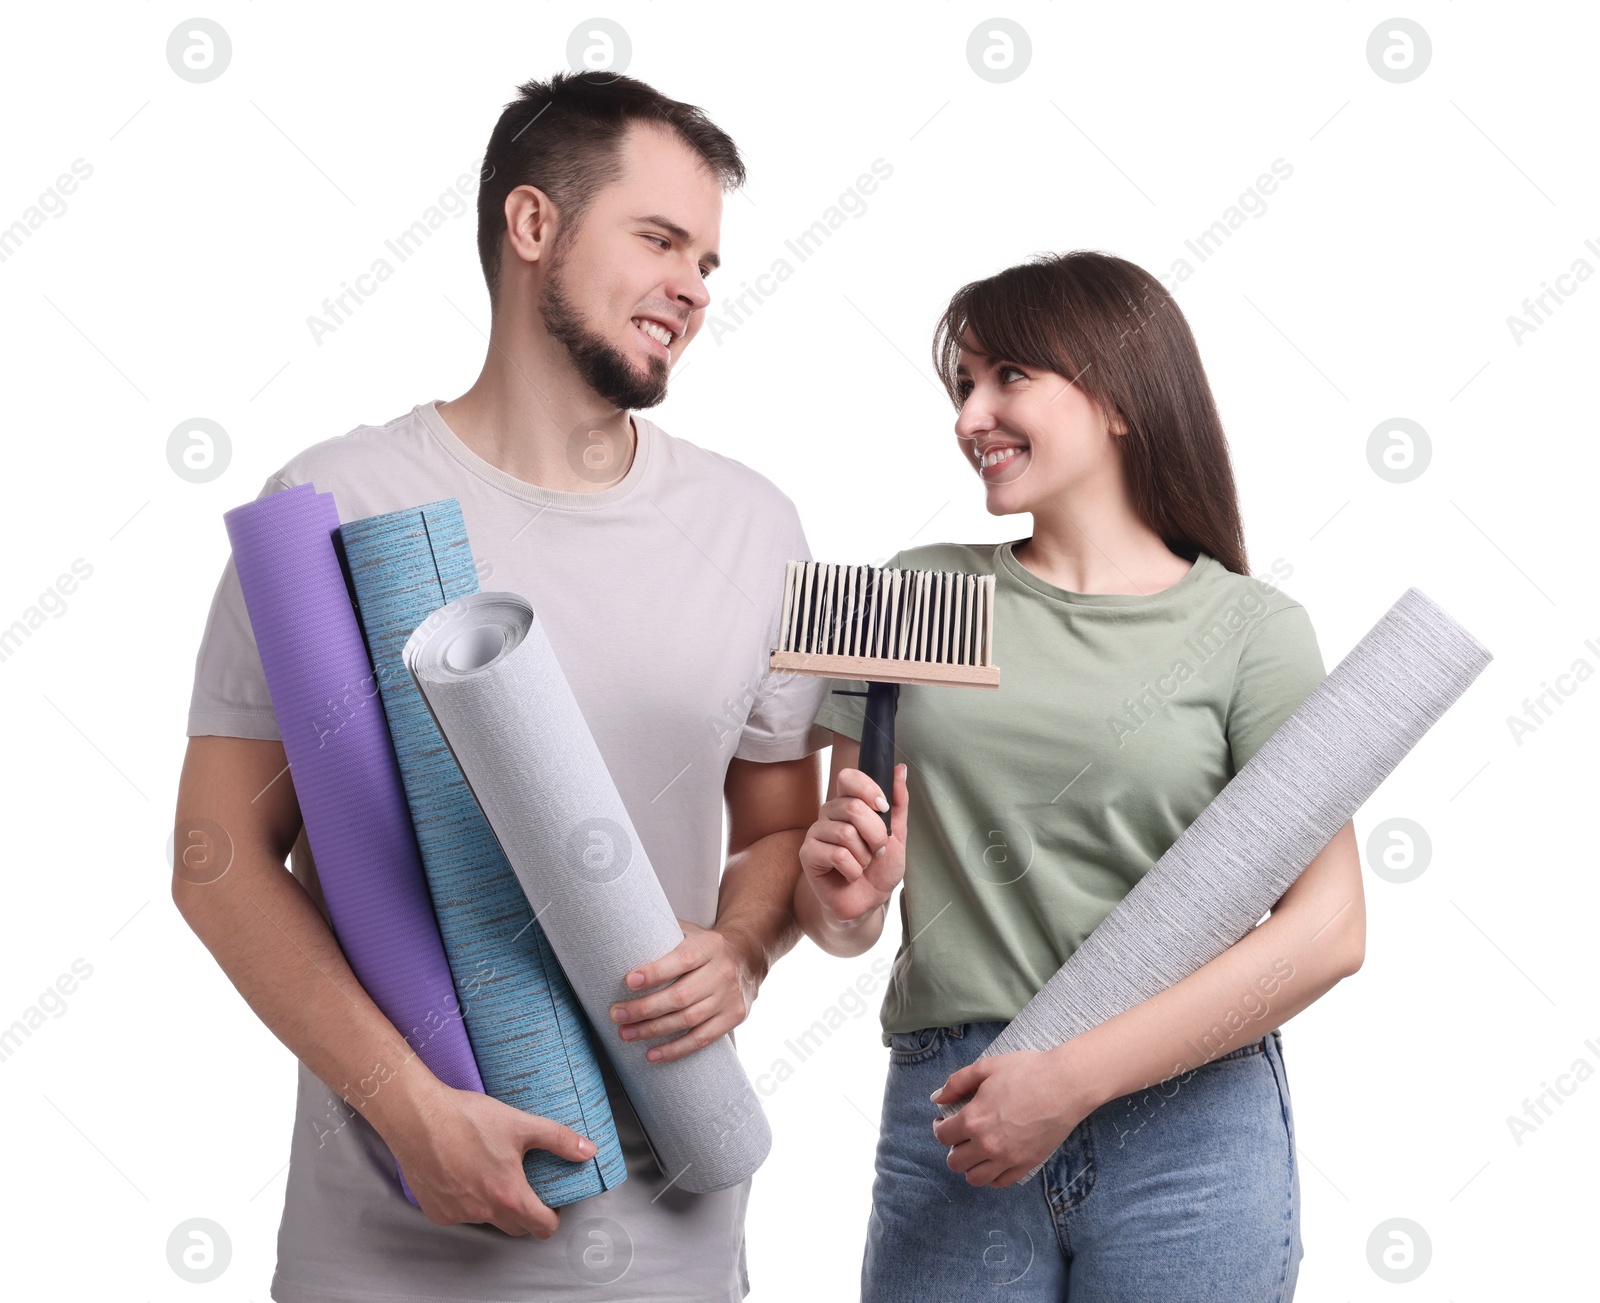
x=1010 y=566
x=644 y=443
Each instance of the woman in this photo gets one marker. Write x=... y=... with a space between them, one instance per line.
x=1141 y=667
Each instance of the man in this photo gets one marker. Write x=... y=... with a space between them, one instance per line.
x=656 y=569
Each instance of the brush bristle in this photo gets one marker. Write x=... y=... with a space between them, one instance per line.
x=887 y=624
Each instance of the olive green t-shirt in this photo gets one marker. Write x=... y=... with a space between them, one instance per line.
x=1036 y=806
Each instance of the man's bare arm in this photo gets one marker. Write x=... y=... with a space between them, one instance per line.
x=461 y=1151
x=770 y=806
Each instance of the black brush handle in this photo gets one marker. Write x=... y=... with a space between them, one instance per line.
x=877 y=739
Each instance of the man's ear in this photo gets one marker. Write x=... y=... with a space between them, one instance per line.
x=531 y=222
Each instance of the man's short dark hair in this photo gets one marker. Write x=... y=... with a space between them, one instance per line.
x=564 y=136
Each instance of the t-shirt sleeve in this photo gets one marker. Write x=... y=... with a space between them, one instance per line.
x=1278 y=667
x=230 y=697
x=841 y=714
x=779 y=726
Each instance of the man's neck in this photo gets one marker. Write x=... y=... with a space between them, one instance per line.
x=543 y=426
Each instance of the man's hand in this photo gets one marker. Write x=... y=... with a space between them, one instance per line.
x=461 y=1151
x=851 y=860
x=1023 y=1106
x=462 y=1157
x=714 y=976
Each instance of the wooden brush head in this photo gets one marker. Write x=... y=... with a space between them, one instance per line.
x=933 y=627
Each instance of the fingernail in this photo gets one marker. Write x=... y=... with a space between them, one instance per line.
x=635 y=979
x=879 y=851
x=586 y=1147
x=882 y=805
x=629 y=1033
x=654 y=1056
x=617 y=1014
x=935 y=1096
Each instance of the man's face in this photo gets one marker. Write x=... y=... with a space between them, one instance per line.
x=625 y=291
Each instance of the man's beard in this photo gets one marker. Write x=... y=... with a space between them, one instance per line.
x=604 y=369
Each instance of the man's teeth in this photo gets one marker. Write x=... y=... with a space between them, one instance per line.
x=657 y=332
x=999 y=455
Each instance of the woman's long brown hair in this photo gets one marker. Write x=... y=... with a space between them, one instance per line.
x=1112 y=329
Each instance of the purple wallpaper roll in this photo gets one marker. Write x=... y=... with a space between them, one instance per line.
x=336 y=738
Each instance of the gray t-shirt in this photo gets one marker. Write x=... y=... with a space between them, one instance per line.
x=660 y=596
x=1036 y=807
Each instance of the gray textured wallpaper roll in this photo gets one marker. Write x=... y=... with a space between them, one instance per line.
x=1259 y=833
x=490 y=677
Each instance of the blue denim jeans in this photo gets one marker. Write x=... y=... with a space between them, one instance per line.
x=1187 y=1192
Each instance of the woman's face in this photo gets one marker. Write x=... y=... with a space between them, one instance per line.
x=1031 y=435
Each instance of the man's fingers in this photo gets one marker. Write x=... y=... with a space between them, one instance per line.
x=688 y=990
x=677 y=961
x=528 y=1217
x=553 y=1137
x=509 y=1224
x=518 y=1211
x=709 y=1025
x=525 y=1211
x=540 y=1221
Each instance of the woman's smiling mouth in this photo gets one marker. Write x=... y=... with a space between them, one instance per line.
x=1001 y=459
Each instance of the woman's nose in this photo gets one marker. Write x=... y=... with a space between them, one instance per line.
x=973 y=419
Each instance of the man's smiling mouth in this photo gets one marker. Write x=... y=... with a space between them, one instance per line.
x=655 y=330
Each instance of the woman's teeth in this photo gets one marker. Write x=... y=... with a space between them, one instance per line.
x=999 y=456
x=659 y=333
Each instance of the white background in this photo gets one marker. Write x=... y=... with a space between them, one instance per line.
x=1377 y=284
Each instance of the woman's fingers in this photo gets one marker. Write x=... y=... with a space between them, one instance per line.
x=986 y=1173
x=835 y=846
x=964 y=1081
x=864 y=803
x=888 y=869
x=850 y=821
x=849 y=840
x=902 y=802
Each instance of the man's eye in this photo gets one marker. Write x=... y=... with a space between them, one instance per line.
x=661 y=240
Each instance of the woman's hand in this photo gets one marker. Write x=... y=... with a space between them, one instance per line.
x=1023 y=1106
x=850 y=859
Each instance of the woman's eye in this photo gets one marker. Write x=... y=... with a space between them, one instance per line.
x=963 y=388
x=1011 y=370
